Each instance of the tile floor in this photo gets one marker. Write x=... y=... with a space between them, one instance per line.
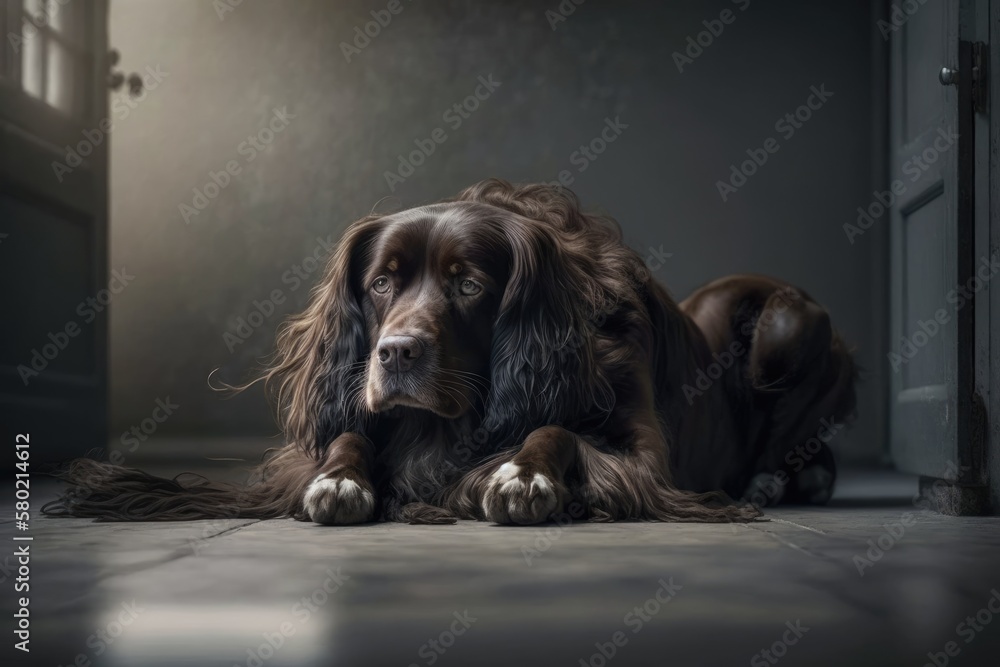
x=786 y=591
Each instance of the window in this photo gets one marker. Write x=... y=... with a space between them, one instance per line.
x=50 y=48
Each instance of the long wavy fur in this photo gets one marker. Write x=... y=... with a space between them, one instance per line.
x=570 y=277
x=315 y=362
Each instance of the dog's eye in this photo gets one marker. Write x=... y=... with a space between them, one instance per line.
x=470 y=287
x=381 y=285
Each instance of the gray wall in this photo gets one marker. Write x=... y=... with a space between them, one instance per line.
x=352 y=120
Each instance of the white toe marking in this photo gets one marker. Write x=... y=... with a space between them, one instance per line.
x=506 y=472
x=320 y=488
x=505 y=479
x=512 y=487
x=348 y=488
x=338 y=501
x=507 y=486
x=543 y=484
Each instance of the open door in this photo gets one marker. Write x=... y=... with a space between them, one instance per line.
x=937 y=413
x=54 y=133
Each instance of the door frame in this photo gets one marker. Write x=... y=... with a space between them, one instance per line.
x=968 y=492
x=990 y=244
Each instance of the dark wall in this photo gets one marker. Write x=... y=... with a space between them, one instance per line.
x=349 y=121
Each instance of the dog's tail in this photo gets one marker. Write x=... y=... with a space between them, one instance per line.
x=114 y=493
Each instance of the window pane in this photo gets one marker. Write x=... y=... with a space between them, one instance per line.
x=59 y=83
x=8 y=46
x=66 y=17
x=31 y=59
x=33 y=7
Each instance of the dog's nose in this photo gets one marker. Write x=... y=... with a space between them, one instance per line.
x=397 y=353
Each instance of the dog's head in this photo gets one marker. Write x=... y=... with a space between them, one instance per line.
x=472 y=306
x=430 y=291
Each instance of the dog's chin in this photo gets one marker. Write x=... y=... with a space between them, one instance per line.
x=442 y=406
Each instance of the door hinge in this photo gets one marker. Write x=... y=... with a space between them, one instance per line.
x=980 y=77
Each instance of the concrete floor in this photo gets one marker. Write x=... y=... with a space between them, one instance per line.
x=212 y=592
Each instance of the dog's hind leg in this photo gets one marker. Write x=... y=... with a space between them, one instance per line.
x=801 y=366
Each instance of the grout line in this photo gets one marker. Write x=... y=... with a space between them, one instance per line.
x=233 y=529
x=788 y=543
x=798 y=525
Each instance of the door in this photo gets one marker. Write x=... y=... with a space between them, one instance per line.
x=935 y=407
x=53 y=225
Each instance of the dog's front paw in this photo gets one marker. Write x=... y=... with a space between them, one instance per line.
x=519 y=494
x=338 y=500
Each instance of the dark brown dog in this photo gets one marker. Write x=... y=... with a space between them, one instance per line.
x=499 y=354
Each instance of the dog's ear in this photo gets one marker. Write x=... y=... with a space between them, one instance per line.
x=320 y=353
x=543 y=364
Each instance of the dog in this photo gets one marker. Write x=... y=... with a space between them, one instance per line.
x=501 y=354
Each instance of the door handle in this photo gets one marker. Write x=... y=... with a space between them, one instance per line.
x=948 y=76
x=117 y=79
x=980 y=84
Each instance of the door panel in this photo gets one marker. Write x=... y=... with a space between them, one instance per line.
x=927 y=272
x=64 y=255
x=922 y=44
